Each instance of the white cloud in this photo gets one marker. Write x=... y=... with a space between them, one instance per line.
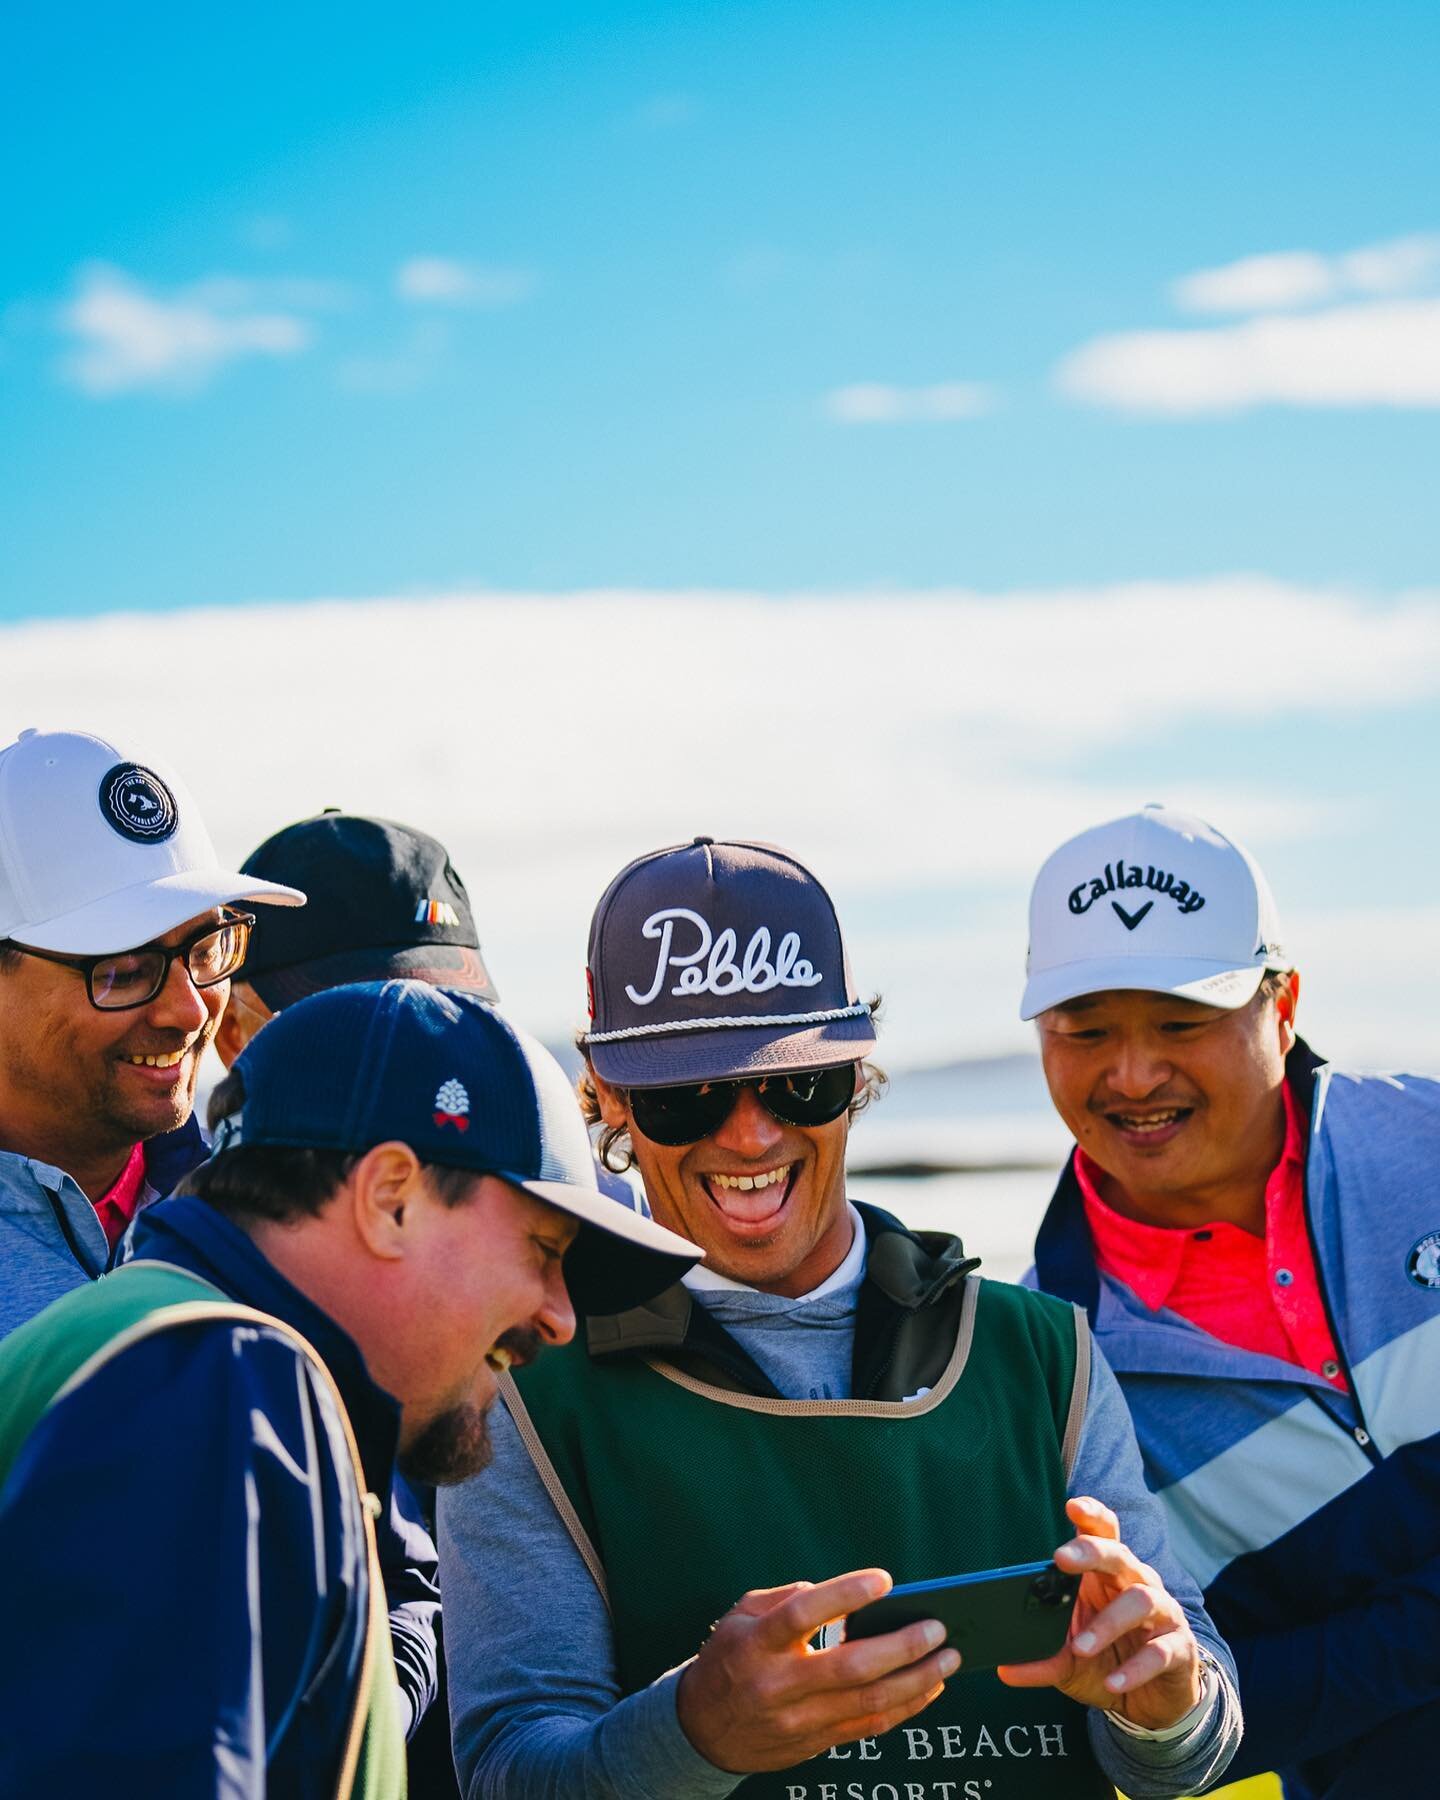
x=1376 y=353
x=445 y=281
x=1292 y=278
x=1375 y=350
x=1396 y=267
x=879 y=403
x=128 y=337
x=910 y=744
x=1284 y=278
x=1342 y=952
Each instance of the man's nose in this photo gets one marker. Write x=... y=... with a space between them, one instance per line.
x=751 y=1128
x=180 y=1005
x=555 y=1316
x=1139 y=1066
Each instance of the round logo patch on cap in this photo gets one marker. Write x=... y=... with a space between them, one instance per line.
x=1422 y=1265
x=137 y=804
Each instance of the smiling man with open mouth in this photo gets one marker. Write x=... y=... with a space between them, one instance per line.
x=119 y=934
x=826 y=1392
x=401 y=1207
x=1253 y=1237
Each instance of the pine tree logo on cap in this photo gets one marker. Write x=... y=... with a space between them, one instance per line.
x=452 y=1105
x=137 y=804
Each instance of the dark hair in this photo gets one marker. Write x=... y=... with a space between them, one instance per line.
x=284 y=1183
x=616 y=1138
x=9 y=954
x=1273 y=982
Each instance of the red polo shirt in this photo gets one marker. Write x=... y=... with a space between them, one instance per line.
x=116 y=1206
x=1259 y=1294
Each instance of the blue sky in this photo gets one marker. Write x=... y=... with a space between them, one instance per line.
x=685 y=229
x=1096 y=348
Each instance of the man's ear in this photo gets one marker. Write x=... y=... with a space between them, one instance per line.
x=245 y=1012
x=1287 y=1000
x=613 y=1109
x=381 y=1192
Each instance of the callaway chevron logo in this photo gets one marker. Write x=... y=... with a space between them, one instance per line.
x=1122 y=876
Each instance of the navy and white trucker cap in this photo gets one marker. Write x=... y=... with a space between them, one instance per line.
x=1158 y=901
x=442 y=1071
x=714 y=960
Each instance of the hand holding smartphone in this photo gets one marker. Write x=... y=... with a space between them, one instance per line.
x=1015 y=1615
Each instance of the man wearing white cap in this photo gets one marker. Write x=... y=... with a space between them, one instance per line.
x=118 y=936
x=1253 y=1235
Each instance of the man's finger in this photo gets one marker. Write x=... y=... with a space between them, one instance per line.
x=1090 y=1555
x=763 y=1600
x=875 y=1725
x=798 y=1618
x=833 y=1715
x=1092 y=1516
x=1154 y=1658
x=865 y=1659
x=1139 y=1608
x=1049 y=1672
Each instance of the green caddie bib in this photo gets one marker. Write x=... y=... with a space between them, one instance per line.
x=681 y=1496
x=52 y=1354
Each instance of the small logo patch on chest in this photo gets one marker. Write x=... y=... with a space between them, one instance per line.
x=1422 y=1265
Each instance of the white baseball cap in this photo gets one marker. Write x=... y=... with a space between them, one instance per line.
x=1157 y=900
x=101 y=850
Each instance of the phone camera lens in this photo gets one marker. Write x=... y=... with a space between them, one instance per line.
x=1050 y=1588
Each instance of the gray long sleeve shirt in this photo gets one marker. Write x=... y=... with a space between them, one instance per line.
x=535 y=1699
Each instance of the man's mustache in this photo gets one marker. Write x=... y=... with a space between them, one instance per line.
x=523 y=1342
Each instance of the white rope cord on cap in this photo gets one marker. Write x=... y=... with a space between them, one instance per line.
x=858 y=1011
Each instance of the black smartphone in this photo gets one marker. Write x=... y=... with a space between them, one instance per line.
x=1014 y=1615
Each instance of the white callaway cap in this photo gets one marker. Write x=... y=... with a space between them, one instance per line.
x=100 y=850
x=1157 y=900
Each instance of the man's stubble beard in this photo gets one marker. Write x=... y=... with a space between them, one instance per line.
x=455 y=1444
x=97 y=1113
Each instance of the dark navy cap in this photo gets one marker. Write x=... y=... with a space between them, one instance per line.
x=384 y=901
x=438 y=1069
x=713 y=960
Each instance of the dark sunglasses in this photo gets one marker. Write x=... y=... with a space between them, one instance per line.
x=127 y=978
x=684 y=1115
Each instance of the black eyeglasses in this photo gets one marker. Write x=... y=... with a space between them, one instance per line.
x=684 y=1115
x=127 y=978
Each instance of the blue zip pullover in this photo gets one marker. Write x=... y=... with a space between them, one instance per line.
x=1310 y=1518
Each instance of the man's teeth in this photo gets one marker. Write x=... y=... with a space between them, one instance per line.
x=499 y=1359
x=746 y=1182
x=157 y=1062
x=1151 y=1121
